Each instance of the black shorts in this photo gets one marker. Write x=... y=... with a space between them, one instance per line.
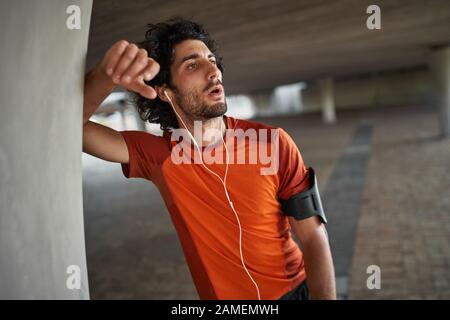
x=299 y=293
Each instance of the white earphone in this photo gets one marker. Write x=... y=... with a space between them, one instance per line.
x=224 y=187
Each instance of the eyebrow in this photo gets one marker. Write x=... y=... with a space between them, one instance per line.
x=195 y=56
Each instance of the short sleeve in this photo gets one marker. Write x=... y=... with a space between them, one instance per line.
x=293 y=174
x=143 y=148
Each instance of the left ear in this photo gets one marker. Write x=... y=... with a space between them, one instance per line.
x=160 y=91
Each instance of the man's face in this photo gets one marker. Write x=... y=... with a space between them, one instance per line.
x=197 y=81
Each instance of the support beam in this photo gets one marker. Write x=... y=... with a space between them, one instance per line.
x=326 y=97
x=440 y=67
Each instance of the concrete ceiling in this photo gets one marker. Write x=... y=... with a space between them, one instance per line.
x=267 y=43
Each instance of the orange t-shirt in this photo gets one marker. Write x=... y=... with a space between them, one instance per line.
x=206 y=225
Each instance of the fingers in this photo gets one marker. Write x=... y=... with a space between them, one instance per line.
x=151 y=70
x=128 y=66
x=126 y=59
x=113 y=55
x=136 y=67
x=142 y=68
x=143 y=89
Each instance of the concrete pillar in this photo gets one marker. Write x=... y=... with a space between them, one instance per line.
x=42 y=249
x=326 y=97
x=287 y=99
x=440 y=67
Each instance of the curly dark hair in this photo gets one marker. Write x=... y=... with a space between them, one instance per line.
x=160 y=41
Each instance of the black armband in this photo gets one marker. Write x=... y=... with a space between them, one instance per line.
x=305 y=204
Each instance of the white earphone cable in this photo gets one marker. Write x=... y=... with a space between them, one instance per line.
x=224 y=187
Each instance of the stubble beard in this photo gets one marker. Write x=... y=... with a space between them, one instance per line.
x=197 y=109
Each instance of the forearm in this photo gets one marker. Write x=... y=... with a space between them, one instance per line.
x=97 y=86
x=319 y=268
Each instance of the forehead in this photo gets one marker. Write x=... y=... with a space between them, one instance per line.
x=189 y=47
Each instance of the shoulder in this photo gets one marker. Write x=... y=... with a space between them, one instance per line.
x=272 y=132
x=247 y=124
x=143 y=137
x=154 y=148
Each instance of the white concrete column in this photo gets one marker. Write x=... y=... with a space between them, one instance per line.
x=326 y=98
x=440 y=67
x=42 y=60
x=287 y=99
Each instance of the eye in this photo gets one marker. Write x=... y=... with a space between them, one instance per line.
x=192 y=66
x=214 y=62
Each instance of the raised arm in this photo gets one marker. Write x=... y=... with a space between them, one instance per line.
x=124 y=64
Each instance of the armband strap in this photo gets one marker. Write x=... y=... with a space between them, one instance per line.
x=305 y=204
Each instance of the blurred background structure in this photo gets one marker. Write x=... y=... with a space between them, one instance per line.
x=368 y=108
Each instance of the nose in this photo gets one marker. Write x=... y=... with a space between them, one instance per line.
x=213 y=72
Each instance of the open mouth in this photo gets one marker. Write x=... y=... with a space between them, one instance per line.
x=216 y=91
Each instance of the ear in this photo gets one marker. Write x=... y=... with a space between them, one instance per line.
x=160 y=92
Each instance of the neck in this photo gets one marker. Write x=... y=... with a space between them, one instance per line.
x=212 y=130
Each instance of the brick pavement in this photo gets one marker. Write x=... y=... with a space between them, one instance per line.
x=404 y=225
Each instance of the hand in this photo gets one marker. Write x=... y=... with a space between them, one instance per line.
x=128 y=66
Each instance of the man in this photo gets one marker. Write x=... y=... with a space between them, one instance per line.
x=233 y=221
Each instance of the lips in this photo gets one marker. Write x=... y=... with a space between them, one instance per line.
x=216 y=91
